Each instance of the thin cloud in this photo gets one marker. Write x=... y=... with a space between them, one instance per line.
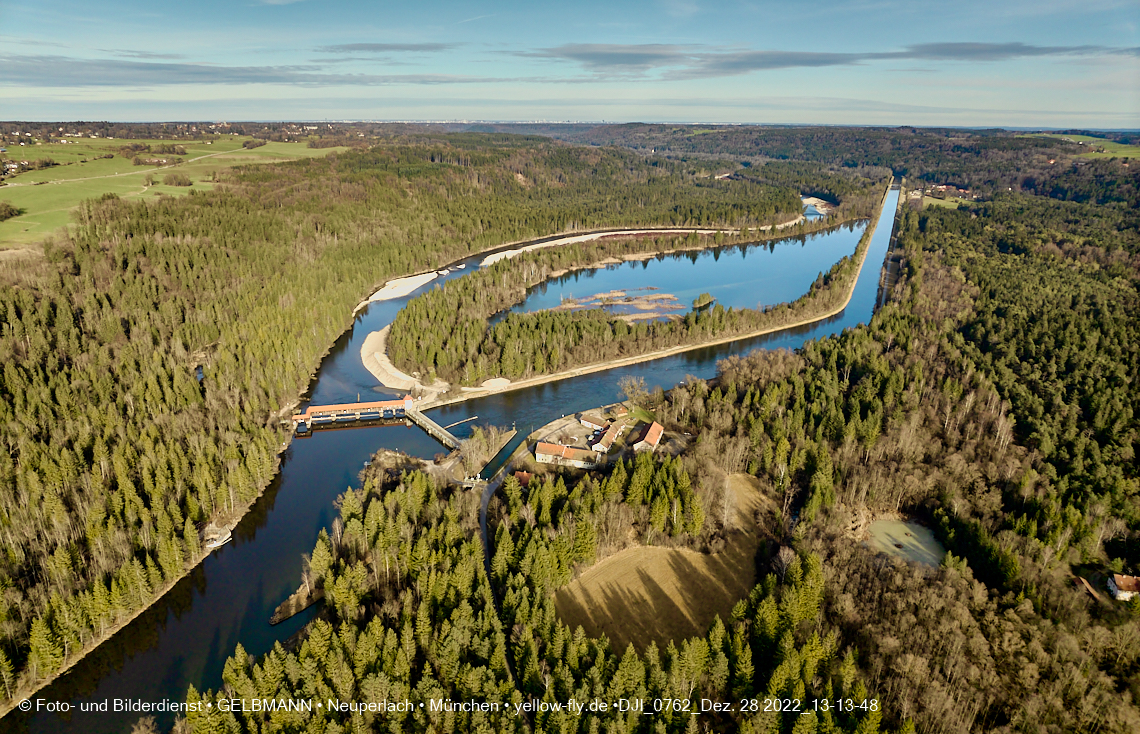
x=992 y=51
x=694 y=62
x=621 y=57
x=381 y=48
x=61 y=71
x=127 y=54
x=477 y=17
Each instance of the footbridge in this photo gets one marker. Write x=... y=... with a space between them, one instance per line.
x=316 y=416
x=435 y=430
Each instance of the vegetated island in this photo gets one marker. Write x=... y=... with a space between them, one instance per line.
x=442 y=339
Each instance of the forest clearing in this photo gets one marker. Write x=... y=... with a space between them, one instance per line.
x=651 y=594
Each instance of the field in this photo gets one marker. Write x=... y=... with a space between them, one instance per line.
x=48 y=196
x=661 y=594
x=1111 y=149
x=951 y=202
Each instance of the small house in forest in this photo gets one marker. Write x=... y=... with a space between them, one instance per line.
x=1123 y=587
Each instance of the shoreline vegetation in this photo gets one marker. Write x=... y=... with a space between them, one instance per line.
x=106 y=307
x=841 y=279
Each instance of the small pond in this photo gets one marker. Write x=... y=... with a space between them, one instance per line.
x=907 y=540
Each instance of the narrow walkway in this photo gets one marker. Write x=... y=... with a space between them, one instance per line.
x=435 y=430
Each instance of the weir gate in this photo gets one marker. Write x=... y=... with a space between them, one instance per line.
x=317 y=416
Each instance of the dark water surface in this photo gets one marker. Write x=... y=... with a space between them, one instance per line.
x=185 y=638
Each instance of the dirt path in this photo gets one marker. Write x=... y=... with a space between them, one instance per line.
x=662 y=594
x=590 y=236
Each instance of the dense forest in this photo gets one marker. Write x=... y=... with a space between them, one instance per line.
x=116 y=455
x=994 y=399
x=986 y=161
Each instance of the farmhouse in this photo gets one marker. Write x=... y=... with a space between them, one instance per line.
x=1123 y=587
x=552 y=453
x=649 y=437
x=593 y=422
x=606 y=442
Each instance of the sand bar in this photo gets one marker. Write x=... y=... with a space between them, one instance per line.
x=497 y=256
x=374 y=354
x=399 y=288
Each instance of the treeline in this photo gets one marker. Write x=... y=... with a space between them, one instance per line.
x=656 y=500
x=983 y=160
x=115 y=455
x=445 y=332
x=990 y=398
x=134 y=150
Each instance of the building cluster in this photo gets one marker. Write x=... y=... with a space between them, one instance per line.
x=604 y=434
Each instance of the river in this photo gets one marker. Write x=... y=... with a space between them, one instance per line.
x=185 y=638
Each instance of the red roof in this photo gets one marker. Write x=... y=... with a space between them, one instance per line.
x=609 y=437
x=1126 y=583
x=564 y=452
x=652 y=434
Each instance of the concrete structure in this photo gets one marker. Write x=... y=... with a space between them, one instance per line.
x=435 y=430
x=649 y=437
x=1123 y=587
x=552 y=453
x=322 y=414
x=319 y=415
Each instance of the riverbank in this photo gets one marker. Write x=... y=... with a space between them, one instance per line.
x=485 y=389
x=26 y=692
x=374 y=355
x=592 y=236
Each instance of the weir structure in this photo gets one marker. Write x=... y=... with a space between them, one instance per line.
x=435 y=430
x=342 y=413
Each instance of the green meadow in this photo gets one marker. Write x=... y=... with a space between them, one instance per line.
x=48 y=196
x=1110 y=148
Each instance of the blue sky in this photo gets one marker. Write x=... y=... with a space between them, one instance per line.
x=1048 y=63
